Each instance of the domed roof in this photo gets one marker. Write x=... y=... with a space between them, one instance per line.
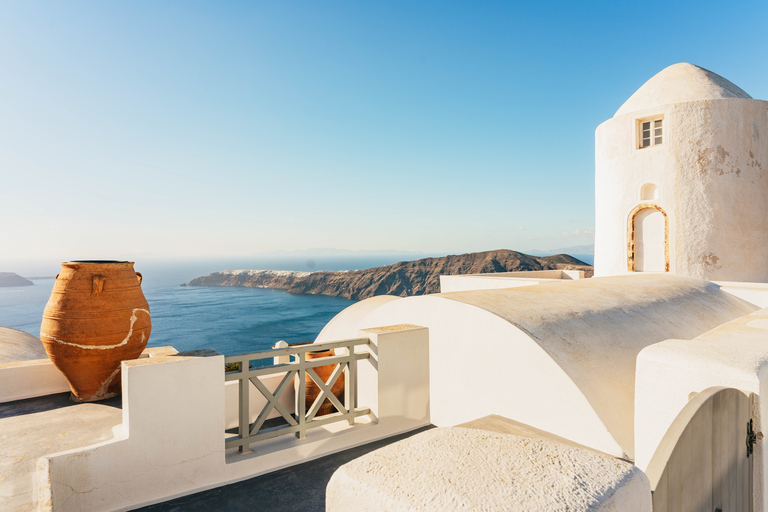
x=680 y=83
x=17 y=345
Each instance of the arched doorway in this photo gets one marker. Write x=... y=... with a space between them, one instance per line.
x=704 y=461
x=648 y=239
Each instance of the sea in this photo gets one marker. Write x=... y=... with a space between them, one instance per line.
x=231 y=320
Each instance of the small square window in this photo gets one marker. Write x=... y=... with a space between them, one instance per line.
x=650 y=132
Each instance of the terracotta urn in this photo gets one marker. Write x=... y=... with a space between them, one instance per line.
x=96 y=317
x=312 y=389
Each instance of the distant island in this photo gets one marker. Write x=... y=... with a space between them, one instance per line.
x=406 y=278
x=13 y=279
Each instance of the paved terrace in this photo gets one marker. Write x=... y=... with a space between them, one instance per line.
x=302 y=487
x=30 y=429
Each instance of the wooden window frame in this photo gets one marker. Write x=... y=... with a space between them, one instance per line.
x=653 y=135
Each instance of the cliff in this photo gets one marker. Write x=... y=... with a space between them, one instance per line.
x=12 y=279
x=405 y=278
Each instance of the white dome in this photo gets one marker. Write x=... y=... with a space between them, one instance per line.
x=17 y=345
x=680 y=83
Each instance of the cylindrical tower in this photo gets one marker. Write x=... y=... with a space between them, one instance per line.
x=681 y=180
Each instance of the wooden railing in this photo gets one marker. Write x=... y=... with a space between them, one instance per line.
x=246 y=370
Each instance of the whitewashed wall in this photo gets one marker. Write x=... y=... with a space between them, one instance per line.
x=171 y=440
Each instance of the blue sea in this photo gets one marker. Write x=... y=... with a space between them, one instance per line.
x=228 y=319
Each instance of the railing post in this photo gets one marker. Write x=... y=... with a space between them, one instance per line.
x=281 y=359
x=350 y=378
x=245 y=413
x=301 y=397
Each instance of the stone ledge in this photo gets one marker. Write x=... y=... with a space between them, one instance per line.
x=470 y=469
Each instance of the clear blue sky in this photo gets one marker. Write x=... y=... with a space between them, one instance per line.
x=149 y=129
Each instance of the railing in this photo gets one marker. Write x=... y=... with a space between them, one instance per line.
x=299 y=420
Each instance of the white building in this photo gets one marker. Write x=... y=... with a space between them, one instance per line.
x=681 y=180
x=549 y=389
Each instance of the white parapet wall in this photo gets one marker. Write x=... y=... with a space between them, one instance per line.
x=755 y=293
x=171 y=441
x=39 y=377
x=498 y=280
x=398 y=392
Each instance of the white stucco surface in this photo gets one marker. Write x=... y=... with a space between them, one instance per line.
x=39 y=377
x=559 y=357
x=28 y=379
x=711 y=174
x=469 y=469
x=670 y=373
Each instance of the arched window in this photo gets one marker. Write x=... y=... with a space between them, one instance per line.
x=649 y=192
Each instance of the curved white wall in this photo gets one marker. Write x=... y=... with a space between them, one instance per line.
x=560 y=356
x=503 y=372
x=711 y=174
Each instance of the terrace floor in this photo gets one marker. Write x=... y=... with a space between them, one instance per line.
x=30 y=429
x=300 y=487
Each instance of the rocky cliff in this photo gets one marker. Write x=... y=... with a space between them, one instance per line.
x=405 y=278
x=12 y=279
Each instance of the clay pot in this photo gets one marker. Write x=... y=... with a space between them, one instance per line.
x=312 y=389
x=96 y=317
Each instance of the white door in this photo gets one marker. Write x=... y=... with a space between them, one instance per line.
x=649 y=241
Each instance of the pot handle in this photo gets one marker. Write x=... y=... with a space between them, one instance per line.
x=139 y=277
x=97 y=284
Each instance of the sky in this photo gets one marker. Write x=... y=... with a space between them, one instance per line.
x=182 y=129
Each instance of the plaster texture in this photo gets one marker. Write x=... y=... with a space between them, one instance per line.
x=558 y=357
x=403 y=390
x=670 y=373
x=711 y=174
x=502 y=425
x=470 y=469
